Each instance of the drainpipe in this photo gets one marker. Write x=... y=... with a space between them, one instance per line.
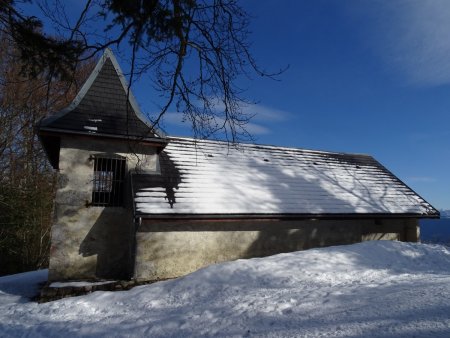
x=137 y=223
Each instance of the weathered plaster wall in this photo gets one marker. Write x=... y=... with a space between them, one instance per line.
x=96 y=242
x=172 y=249
x=92 y=242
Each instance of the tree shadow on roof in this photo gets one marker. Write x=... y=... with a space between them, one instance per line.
x=165 y=182
x=342 y=186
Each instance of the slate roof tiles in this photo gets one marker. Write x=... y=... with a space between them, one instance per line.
x=212 y=178
x=102 y=107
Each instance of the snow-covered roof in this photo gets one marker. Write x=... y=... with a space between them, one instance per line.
x=213 y=178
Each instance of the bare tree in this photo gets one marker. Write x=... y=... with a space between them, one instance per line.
x=27 y=182
x=193 y=51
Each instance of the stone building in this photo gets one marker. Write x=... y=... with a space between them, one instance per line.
x=133 y=203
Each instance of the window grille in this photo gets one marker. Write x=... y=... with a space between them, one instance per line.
x=109 y=181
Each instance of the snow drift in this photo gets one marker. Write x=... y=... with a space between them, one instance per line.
x=376 y=289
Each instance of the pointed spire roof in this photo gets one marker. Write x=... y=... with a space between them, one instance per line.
x=103 y=108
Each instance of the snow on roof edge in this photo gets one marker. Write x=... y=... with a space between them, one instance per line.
x=264 y=146
x=286 y=216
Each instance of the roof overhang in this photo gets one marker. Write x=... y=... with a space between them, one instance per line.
x=107 y=55
x=51 y=145
x=156 y=141
x=275 y=217
x=51 y=141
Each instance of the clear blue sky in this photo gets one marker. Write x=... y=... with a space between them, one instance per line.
x=365 y=76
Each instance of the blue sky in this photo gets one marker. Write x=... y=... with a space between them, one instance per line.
x=367 y=77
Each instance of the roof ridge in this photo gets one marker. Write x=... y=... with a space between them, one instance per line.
x=265 y=146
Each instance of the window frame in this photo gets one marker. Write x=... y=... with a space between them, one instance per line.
x=108 y=183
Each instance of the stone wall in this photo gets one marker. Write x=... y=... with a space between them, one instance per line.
x=167 y=249
x=90 y=242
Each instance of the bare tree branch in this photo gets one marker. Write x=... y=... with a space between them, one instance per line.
x=194 y=52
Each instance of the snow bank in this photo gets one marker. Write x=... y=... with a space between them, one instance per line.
x=376 y=289
x=21 y=287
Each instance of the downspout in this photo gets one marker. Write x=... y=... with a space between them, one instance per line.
x=137 y=223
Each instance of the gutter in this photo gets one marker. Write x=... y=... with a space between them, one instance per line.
x=57 y=132
x=276 y=217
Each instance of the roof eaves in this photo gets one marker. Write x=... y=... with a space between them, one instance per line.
x=108 y=54
x=55 y=131
x=283 y=216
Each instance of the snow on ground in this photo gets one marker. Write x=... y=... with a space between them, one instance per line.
x=372 y=289
x=77 y=284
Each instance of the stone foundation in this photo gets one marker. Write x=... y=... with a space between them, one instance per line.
x=49 y=293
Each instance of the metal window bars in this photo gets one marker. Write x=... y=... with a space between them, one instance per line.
x=109 y=181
